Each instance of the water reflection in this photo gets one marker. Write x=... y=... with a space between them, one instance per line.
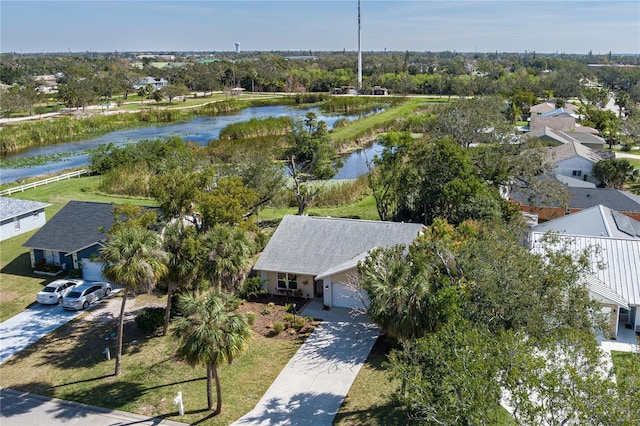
x=199 y=130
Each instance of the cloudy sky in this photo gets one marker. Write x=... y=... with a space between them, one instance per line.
x=545 y=26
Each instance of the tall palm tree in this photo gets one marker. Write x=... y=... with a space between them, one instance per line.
x=210 y=334
x=135 y=262
x=182 y=245
x=228 y=250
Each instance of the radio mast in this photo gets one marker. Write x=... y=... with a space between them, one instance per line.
x=359 y=52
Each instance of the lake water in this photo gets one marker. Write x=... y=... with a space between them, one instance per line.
x=199 y=130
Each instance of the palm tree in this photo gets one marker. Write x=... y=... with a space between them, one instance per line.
x=182 y=245
x=228 y=251
x=210 y=334
x=135 y=262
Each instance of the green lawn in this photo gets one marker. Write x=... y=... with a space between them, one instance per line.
x=69 y=364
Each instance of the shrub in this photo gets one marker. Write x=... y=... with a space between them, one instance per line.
x=278 y=327
x=251 y=288
x=266 y=311
x=251 y=318
x=150 y=319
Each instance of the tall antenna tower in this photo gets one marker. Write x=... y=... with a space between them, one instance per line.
x=359 y=52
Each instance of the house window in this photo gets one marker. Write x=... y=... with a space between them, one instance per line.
x=287 y=281
x=577 y=172
x=16 y=223
x=36 y=215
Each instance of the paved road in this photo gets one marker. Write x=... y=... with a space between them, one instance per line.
x=20 y=409
x=312 y=386
x=27 y=327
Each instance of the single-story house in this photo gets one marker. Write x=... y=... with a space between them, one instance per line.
x=72 y=237
x=20 y=216
x=318 y=256
x=580 y=199
x=613 y=241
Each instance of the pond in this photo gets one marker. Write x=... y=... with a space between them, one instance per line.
x=199 y=130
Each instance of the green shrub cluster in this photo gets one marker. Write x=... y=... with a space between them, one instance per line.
x=252 y=287
x=150 y=319
x=258 y=127
x=278 y=327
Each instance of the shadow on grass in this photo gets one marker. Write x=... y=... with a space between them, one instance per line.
x=21 y=265
x=387 y=414
x=111 y=394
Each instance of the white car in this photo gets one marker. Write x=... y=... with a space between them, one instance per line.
x=53 y=292
x=84 y=295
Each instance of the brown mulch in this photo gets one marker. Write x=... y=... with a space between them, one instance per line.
x=269 y=310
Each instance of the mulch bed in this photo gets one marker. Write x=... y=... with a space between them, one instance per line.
x=270 y=310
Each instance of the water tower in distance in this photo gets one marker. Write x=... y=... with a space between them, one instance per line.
x=237 y=47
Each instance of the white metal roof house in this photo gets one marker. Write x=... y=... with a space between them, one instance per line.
x=317 y=256
x=614 y=242
x=20 y=216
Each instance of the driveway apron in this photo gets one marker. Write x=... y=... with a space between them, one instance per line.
x=312 y=386
x=28 y=326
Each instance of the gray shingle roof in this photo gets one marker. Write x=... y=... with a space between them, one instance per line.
x=13 y=207
x=573 y=149
x=583 y=198
x=314 y=245
x=77 y=225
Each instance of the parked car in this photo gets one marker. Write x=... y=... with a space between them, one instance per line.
x=54 y=291
x=84 y=295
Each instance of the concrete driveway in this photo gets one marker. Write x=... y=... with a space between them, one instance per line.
x=27 y=327
x=312 y=386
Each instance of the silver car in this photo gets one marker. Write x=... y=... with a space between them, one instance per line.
x=54 y=291
x=84 y=295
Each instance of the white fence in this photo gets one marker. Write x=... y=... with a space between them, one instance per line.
x=21 y=188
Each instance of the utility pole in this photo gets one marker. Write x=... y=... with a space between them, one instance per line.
x=359 y=52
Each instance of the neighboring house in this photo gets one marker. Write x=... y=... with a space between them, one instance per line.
x=613 y=241
x=574 y=160
x=71 y=237
x=558 y=119
x=318 y=256
x=548 y=106
x=547 y=134
x=20 y=216
x=576 y=183
x=156 y=83
x=581 y=199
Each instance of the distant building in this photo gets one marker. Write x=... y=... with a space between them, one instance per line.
x=156 y=83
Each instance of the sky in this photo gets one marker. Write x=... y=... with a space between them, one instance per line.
x=543 y=26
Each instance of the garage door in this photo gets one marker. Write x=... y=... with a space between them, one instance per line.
x=347 y=297
x=91 y=271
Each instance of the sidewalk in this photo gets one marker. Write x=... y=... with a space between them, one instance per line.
x=19 y=409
